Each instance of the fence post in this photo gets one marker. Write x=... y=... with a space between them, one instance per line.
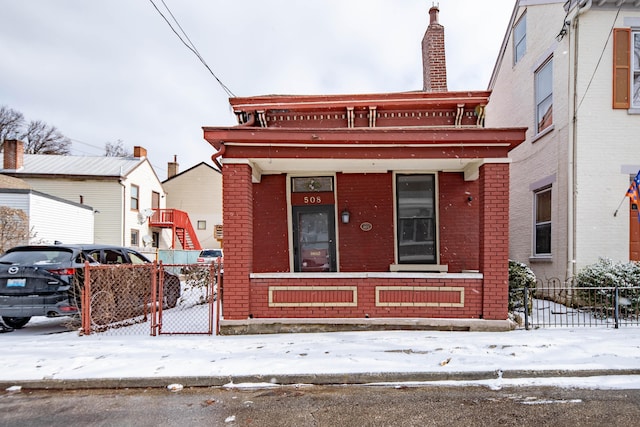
x=85 y=300
x=616 y=313
x=526 y=307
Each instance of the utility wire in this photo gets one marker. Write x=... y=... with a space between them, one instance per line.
x=189 y=45
x=600 y=59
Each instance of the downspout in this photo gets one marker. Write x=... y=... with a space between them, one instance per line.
x=582 y=7
x=214 y=158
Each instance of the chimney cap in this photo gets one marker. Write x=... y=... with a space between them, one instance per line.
x=433 y=14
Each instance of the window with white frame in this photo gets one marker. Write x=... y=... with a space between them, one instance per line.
x=544 y=96
x=202 y=224
x=542 y=228
x=520 y=38
x=416 y=233
x=135 y=237
x=135 y=197
x=635 y=86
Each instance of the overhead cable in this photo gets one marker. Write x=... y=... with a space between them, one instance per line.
x=190 y=44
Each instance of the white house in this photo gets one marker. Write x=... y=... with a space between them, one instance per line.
x=47 y=213
x=197 y=191
x=123 y=192
x=569 y=71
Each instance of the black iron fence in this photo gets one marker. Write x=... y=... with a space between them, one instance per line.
x=154 y=299
x=561 y=304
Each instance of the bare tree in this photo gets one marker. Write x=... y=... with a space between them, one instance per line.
x=116 y=149
x=11 y=124
x=41 y=138
x=14 y=228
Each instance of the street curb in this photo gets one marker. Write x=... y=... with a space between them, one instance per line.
x=312 y=379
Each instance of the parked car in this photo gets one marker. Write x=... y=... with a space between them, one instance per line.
x=208 y=256
x=44 y=280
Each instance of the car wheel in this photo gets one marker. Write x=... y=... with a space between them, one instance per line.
x=16 y=322
x=172 y=291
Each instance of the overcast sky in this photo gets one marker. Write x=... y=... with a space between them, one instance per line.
x=102 y=71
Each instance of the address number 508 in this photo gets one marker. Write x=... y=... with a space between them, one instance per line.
x=312 y=200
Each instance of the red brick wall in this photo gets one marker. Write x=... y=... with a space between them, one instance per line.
x=237 y=201
x=368 y=198
x=494 y=239
x=366 y=298
x=270 y=230
x=459 y=222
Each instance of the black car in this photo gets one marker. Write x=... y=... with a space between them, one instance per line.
x=44 y=280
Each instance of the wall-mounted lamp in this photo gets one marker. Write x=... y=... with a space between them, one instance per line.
x=345 y=216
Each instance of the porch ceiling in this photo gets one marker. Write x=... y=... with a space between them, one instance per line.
x=274 y=166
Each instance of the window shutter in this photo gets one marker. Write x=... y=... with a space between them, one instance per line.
x=621 y=67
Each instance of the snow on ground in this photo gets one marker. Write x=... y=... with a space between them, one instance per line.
x=40 y=351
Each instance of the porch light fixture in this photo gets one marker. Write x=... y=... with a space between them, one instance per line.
x=345 y=216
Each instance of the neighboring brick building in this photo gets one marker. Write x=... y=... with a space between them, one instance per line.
x=356 y=211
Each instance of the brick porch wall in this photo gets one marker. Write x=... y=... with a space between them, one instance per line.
x=237 y=197
x=494 y=239
x=367 y=296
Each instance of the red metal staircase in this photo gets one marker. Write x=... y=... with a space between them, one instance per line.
x=180 y=225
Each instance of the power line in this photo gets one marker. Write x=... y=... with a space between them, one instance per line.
x=189 y=45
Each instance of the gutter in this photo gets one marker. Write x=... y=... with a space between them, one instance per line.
x=582 y=7
x=220 y=144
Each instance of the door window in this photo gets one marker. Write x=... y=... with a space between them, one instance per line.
x=314 y=238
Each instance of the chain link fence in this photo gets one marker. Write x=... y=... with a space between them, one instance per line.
x=134 y=299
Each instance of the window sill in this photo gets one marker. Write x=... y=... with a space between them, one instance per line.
x=541 y=259
x=542 y=134
x=432 y=268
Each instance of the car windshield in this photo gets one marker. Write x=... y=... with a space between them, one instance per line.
x=39 y=256
x=211 y=253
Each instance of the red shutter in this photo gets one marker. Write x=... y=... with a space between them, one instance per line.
x=621 y=67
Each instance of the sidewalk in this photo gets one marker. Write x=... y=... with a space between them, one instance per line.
x=581 y=357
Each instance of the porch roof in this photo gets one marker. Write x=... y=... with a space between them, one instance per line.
x=351 y=150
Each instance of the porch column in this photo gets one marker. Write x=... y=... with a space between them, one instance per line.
x=494 y=239
x=237 y=199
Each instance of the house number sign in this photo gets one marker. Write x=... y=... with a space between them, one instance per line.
x=366 y=226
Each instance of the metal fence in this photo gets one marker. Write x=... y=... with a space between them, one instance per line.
x=152 y=299
x=562 y=305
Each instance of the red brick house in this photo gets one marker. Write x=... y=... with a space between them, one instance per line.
x=365 y=211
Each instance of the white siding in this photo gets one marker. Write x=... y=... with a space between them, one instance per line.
x=104 y=196
x=198 y=191
x=55 y=220
x=147 y=181
x=51 y=219
x=604 y=139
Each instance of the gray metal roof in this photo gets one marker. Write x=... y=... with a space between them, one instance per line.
x=50 y=164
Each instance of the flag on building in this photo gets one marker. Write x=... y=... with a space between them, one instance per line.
x=633 y=192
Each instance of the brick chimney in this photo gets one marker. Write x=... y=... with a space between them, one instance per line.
x=139 y=152
x=434 y=65
x=13 y=154
x=172 y=167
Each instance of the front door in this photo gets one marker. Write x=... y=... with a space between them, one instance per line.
x=634 y=233
x=314 y=238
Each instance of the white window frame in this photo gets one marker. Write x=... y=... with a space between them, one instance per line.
x=543 y=95
x=520 y=40
x=635 y=69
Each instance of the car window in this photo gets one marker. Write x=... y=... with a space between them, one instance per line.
x=137 y=258
x=91 y=257
x=39 y=256
x=211 y=253
x=112 y=256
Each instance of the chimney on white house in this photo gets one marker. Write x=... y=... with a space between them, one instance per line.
x=13 y=154
x=172 y=167
x=434 y=65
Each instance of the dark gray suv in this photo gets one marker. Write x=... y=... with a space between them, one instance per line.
x=45 y=280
